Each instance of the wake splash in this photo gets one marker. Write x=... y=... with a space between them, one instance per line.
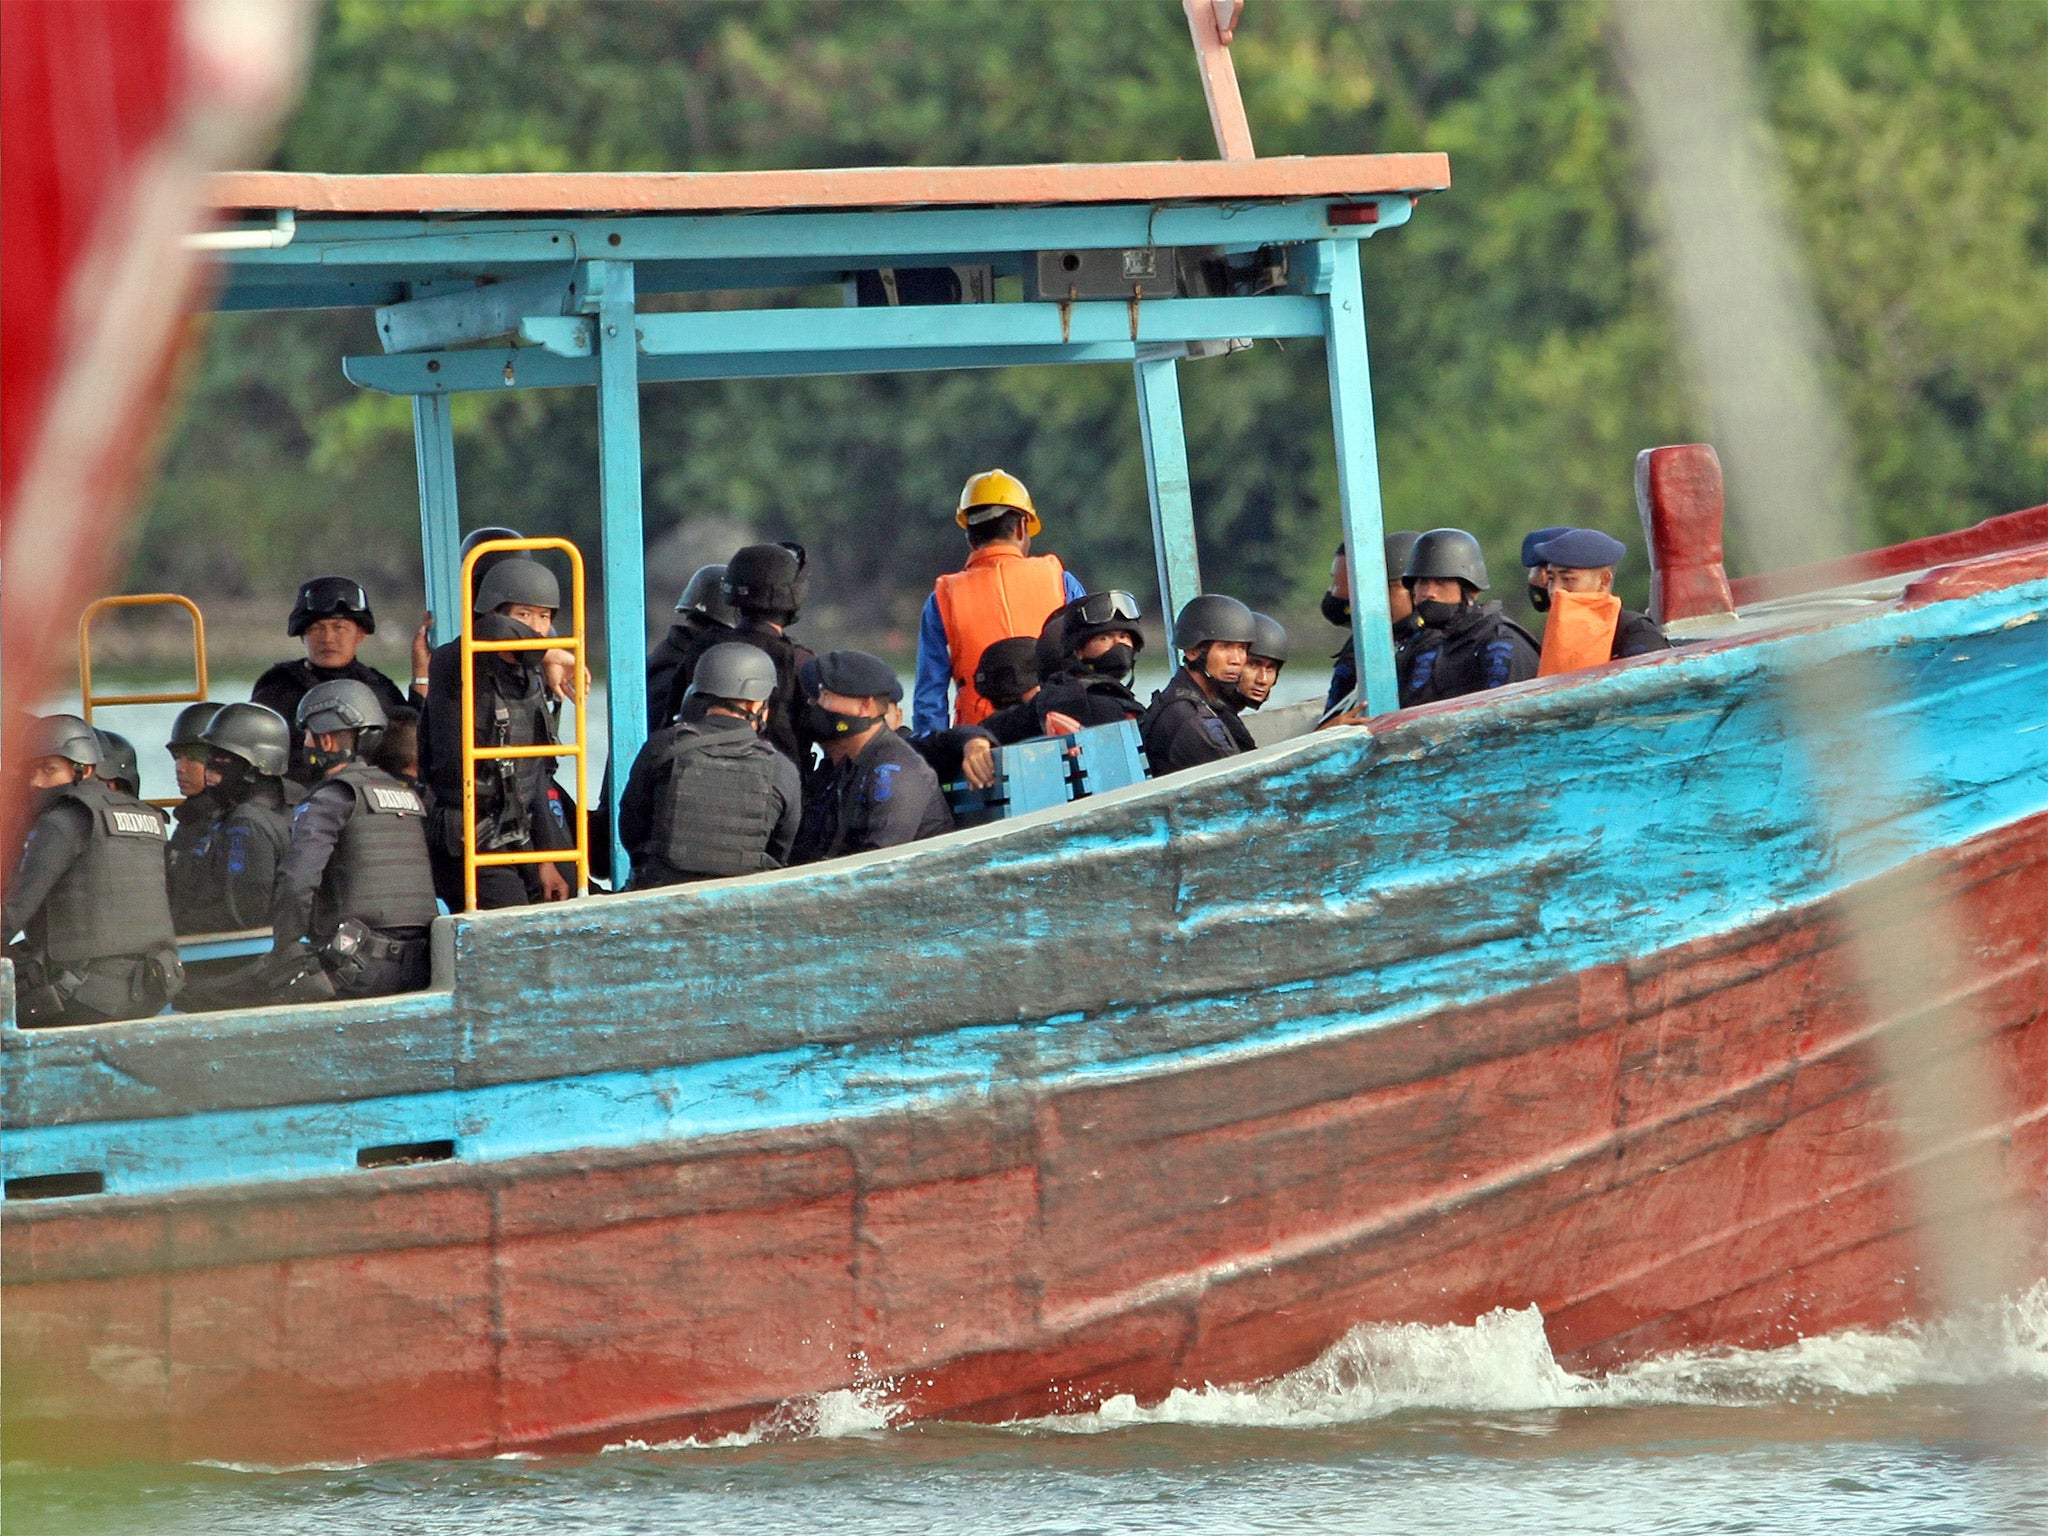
x=1503 y=1363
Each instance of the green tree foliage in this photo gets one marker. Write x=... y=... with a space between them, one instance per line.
x=1520 y=349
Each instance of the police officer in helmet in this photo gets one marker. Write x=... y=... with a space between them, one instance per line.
x=707 y=796
x=200 y=811
x=1192 y=720
x=332 y=618
x=1400 y=610
x=1464 y=647
x=517 y=805
x=765 y=584
x=1263 y=660
x=703 y=618
x=1096 y=643
x=355 y=893
x=118 y=768
x=876 y=791
x=88 y=893
x=230 y=881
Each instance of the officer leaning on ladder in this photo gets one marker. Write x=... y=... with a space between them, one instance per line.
x=355 y=896
x=707 y=796
x=88 y=893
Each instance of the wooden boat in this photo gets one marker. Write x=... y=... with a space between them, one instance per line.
x=1541 y=997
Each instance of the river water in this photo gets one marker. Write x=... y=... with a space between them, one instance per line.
x=1412 y=1430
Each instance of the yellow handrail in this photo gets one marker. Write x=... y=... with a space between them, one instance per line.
x=195 y=695
x=471 y=752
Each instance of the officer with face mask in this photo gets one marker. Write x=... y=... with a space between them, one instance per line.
x=229 y=882
x=1337 y=609
x=88 y=894
x=355 y=893
x=876 y=790
x=331 y=617
x=766 y=585
x=707 y=796
x=1097 y=644
x=1464 y=647
x=1587 y=624
x=1532 y=567
x=703 y=619
x=516 y=807
x=1192 y=719
x=1262 y=663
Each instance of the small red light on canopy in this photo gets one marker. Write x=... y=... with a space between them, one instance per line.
x=1341 y=214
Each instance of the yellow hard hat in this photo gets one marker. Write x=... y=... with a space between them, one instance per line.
x=992 y=493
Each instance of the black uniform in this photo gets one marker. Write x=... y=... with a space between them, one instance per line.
x=196 y=817
x=885 y=796
x=1480 y=649
x=89 y=896
x=228 y=879
x=1090 y=700
x=356 y=889
x=666 y=654
x=1184 y=727
x=1637 y=634
x=706 y=799
x=1344 y=665
x=946 y=751
x=785 y=705
x=285 y=684
x=516 y=806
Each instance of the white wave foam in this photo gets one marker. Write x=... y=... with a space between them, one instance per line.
x=861 y=1410
x=1503 y=1363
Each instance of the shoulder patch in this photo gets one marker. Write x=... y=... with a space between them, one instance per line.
x=885 y=779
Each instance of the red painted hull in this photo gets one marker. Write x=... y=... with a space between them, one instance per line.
x=1690 y=1151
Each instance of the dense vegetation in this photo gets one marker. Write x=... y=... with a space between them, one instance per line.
x=1521 y=350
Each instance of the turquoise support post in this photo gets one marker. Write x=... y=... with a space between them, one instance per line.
x=433 y=447
x=610 y=295
x=1166 y=484
x=1358 y=481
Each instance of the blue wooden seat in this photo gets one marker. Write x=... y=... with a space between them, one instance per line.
x=224 y=946
x=1033 y=775
x=1108 y=757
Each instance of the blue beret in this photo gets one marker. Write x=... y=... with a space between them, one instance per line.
x=1540 y=536
x=1580 y=549
x=857 y=675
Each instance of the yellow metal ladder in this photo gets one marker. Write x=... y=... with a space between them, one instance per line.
x=88 y=700
x=573 y=643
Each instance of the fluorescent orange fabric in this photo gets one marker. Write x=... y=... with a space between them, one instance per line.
x=1579 y=632
x=1001 y=594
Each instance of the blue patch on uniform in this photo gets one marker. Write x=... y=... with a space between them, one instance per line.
x=302 y=807
x=1422 y=668
x=555 y=805
x=238 y=850
x=1500 y=655
x=885 y=780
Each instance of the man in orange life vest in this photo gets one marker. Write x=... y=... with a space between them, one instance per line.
x=1586 y=624
x=1003 y=591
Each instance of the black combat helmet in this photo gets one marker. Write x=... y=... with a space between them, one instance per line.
x=1272 y=638
x=189 y=729
x=1101 y=613
x=117 y=761
x=344 y=705
x=258 y=736
x=704 y=595
x=768 y=581
x=733 y=670
x=68 y=737
x=1399 y=547
x=1213 y=618
x=495 y=557
x=331 y=597
x=1008 y=670
x=1447 y=554
x=518 y=580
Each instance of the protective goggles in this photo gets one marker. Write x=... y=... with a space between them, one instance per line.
x=333 y=594
x=1098 y=608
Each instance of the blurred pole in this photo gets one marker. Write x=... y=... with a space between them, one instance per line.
x=1756 y=345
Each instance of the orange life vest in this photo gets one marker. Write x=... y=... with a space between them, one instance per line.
x=1579 y=632
x=1000 y=595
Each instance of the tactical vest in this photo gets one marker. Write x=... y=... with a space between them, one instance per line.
x=111 y=901
x=718 y=810
x=1001 y=595
x=507 y=787
x=379 y=874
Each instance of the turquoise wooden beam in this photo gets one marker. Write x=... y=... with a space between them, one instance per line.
x=609 y=292
x=1167 y=484
x=433 y=446
x=1358 y=482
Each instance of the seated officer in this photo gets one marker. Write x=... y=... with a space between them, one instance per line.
x=766 y=585
x=1262 y=663
x=118 y=768
x=1337 y=609
x=1462 y=648
x=876 y=791
x=1003 y=591
x=1191 y=720
x=1587 y=625
x=703 y=619
x=1097 y=642
x=1007 y=673
x=707 y=796
x=515 y=707
x=355 y=894
x=231 y=878
x=88 y=893
x=201 y=810
x=332 y=617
